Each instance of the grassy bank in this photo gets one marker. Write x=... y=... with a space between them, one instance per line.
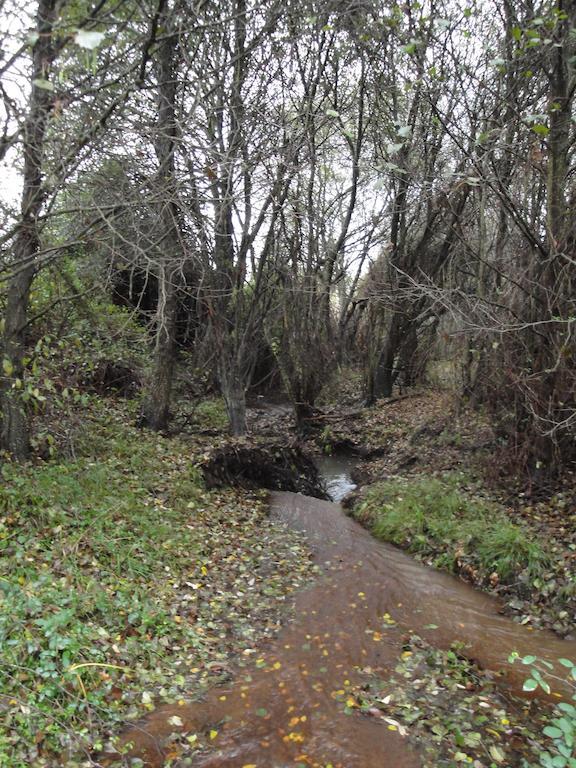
x=433 y=519
x=123 y=583
x=458 y=531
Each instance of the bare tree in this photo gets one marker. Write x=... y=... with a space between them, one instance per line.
x=171 y=237
x=50 y=138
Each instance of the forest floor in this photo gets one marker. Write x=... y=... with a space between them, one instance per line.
x=125 y=584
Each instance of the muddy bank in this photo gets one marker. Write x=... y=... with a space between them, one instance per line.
x=288 y=703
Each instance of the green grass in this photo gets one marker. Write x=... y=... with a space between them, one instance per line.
x=211 y=414
x=123 y=582
x=434 y=519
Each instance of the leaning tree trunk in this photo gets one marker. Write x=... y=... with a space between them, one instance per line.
x=15 y=434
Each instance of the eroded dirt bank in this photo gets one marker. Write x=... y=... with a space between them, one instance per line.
x=288 y=705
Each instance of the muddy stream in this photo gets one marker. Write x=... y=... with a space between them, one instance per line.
x=287 y=709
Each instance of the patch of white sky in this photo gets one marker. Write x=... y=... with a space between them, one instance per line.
x=16 y=22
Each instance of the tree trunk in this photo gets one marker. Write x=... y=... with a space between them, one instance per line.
x=234 y=393
x=15 y=428
x=157 y=406
x=160 y=385
x=408 y=354
x=304 y=410
x=384 y=375
x=15 y=434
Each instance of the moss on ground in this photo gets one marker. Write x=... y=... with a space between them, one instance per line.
x=123 y=583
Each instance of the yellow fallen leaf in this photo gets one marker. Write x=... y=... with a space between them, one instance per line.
x=175 y=720
x=213 y=734
x=293 y=721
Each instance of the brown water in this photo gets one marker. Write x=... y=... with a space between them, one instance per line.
x=290 y=711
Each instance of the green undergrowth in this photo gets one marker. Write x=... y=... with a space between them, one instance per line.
x=210 y=414
x=433 y=519
x=452 y=710
x=123 y=582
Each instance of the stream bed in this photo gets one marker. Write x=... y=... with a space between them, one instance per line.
x=285 y=708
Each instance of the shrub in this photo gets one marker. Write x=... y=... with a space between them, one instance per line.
x=561 y=731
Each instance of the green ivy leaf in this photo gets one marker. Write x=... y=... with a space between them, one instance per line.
x=554 y=733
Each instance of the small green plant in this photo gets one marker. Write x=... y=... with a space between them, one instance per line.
x=326 y=441
x=211 y=414
x=562 y=728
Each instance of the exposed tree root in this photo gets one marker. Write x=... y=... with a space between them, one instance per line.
x=275 y=467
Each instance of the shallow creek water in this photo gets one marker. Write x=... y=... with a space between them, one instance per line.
x=286 y=710
x=337 y=474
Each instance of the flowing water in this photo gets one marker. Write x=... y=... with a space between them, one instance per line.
x=337 y=474
x=287 y=710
